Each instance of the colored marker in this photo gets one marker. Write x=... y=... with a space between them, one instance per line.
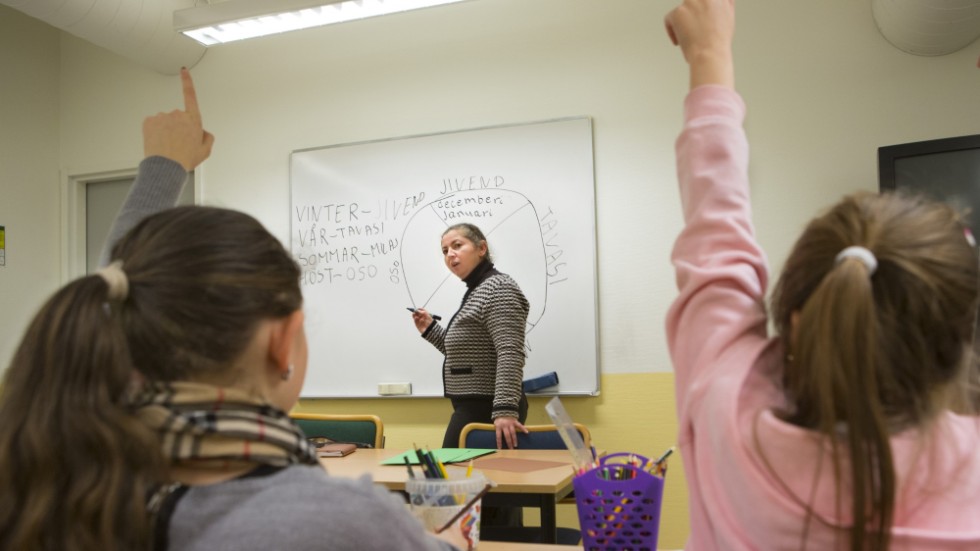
x=435 y=317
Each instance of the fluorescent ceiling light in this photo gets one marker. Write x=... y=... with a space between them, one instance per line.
x=239 y=19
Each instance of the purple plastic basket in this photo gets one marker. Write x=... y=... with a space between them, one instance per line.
x=619 y=505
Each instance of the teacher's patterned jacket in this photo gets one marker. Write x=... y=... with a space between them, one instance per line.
x=483 y=343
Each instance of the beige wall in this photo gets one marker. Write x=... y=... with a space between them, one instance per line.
x=29 y=162
x=824 y=90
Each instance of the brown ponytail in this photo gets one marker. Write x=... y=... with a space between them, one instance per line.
x=871 y=352
x=74 y=464
x=836 y=393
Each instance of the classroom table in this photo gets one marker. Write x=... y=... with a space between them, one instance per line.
x=541 y=488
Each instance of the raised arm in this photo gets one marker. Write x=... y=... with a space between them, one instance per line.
x=720 y=269
x=174 y=144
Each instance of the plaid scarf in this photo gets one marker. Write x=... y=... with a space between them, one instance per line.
x=212 y=427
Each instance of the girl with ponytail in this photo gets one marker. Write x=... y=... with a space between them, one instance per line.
x=146 y=406
x=852 y=428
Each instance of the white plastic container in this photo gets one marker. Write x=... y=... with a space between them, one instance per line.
x=435 y=501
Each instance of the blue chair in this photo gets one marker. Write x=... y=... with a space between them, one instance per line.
x=366 y=431
x=539 y=437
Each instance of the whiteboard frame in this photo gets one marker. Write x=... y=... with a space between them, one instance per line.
x=593 y=258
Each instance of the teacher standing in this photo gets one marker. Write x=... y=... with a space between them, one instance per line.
x=483 y=344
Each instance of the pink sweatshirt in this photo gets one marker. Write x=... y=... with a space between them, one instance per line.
x=750 y=475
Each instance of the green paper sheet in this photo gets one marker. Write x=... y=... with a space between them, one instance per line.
x=445 y=455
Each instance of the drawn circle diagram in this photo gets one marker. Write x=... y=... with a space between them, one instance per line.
x=510 y=223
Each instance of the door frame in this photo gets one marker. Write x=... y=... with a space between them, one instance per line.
x=74 y=190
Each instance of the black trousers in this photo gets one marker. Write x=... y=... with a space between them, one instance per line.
x=474 y=410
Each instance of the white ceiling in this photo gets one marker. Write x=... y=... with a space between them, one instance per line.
x=142 y=30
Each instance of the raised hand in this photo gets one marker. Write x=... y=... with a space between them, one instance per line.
x=704 y=30
x=179 y=135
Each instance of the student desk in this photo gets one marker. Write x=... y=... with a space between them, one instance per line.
x=540 y=488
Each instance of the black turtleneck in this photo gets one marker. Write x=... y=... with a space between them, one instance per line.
x=480 y=273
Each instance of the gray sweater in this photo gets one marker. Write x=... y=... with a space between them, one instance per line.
x=157 y=187
x=297 y=508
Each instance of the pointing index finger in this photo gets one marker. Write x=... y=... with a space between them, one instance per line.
x=190 y=96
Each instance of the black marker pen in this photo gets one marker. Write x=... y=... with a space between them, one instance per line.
x=435 y=317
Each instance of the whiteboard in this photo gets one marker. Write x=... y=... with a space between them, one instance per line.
x=366 y=220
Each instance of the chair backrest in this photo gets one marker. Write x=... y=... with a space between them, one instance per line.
x=359 y=429
x=539 y=437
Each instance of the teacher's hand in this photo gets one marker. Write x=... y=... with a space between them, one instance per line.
x=422 y=319
x=179 y=134
x=507 y=428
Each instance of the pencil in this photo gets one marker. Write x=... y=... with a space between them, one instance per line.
x=664 y=457
x=660 y=465
x=431 y=462
x=465 y=508
x=425 y=470
x=469 y=470
x=408 y=465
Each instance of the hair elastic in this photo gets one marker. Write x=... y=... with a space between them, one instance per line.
x=864 y=255
x=115 y=277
